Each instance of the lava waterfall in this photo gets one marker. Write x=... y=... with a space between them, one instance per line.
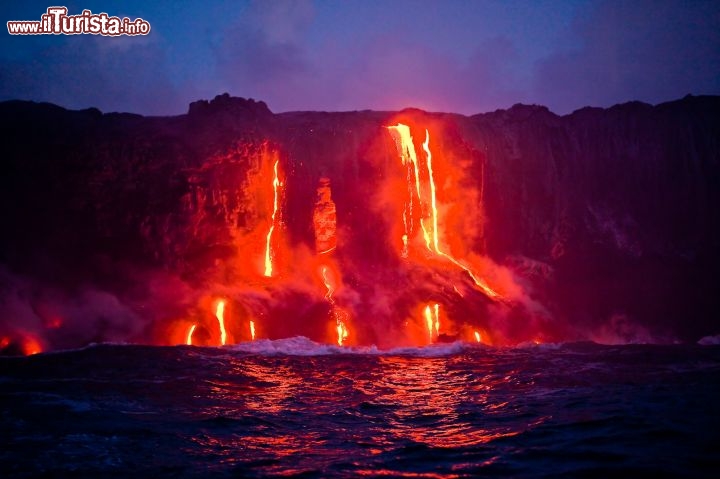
x=231 y=224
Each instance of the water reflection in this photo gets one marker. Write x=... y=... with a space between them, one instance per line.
x=308 y=412
x=438 y=406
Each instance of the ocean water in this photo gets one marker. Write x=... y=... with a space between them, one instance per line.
x=293 y=408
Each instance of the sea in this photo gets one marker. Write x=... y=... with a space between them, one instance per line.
x=295 y=408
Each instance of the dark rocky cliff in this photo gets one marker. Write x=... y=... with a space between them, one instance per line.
x=607 y=218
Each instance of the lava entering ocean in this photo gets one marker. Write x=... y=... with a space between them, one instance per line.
x=343 y=227
x=386 y=262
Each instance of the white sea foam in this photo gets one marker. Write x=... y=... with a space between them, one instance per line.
x=710 y=340
x=302 y=346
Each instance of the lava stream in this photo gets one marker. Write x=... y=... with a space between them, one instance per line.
x=407 y=154
x=220 y=315
x=189 y=334
x=338 y=313
x=429 y=322
x=330 y=289
x=478 y=282
x=252 y=330
x=342 y=332
x=426 y=147
x=477 y=336
x=268 y=259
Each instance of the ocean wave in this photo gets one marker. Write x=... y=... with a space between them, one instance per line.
x=302 y=346
x=710 y=340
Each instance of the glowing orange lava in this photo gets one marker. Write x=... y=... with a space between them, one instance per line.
x=31 y=346
x=339 y=315
x=326 y=281
x=342 y=332
x=268 y=256
x=406 y=147
x=429 y=322
x=252 y=330
x=477 y=337
x=189 y=334
x=325 y=226
x=432 y=321
x=220 y=315
x=404 y=142
x=433 y=203
x=478 y=282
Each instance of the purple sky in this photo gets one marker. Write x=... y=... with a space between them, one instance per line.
x=460 y=56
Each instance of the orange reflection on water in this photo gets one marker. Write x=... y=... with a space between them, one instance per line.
x=301 y=415
x=431 y=398
x=278 y=384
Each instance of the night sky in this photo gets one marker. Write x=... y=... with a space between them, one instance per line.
x=460 y=56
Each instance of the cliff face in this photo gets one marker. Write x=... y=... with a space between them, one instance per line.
x=599 y=224
x=619 y=202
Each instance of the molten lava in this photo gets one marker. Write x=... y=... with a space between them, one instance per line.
x=30 y=346
x=406 y=149
x=478 y=282
x=235 y=240
x=340 y=316
x=328 y=285
x=342 y=332
x=189 y=334
x=220 y=315
x=429 y=322
x=325 y=225
x=432 y=321
x=433 y=202
x=268 y=255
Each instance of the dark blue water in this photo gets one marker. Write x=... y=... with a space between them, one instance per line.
x=577 y=410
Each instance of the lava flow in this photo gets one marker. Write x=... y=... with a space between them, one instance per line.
x=432 y=321
x=362 y=281
x=340 y=326
x=478 y=282
x=188 y=341
x=325 y=225
x=406 y=149
x=328 y=285
x=268 y=254
x=220 y=315
x=429 y=322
